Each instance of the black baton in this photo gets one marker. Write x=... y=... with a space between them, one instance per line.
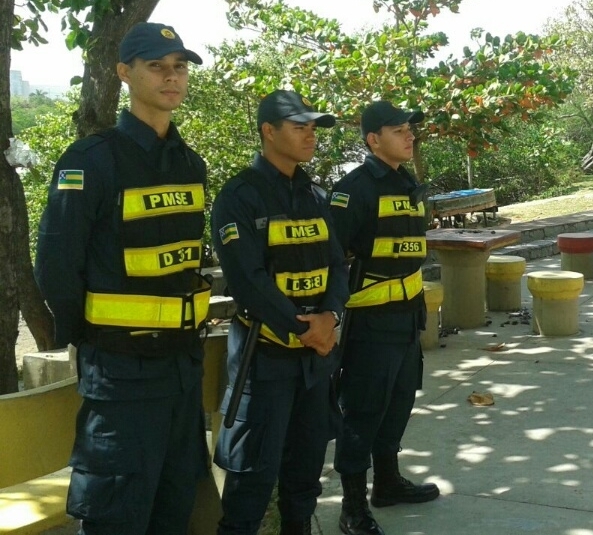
x=242 y=373
x=353 y=285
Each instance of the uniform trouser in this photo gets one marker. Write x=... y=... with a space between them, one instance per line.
x=136 y=463
x=378 y=389
x=280 y=433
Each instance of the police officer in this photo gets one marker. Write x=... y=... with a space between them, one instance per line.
x=118 y=260
x=379 y=218
x=284 y=267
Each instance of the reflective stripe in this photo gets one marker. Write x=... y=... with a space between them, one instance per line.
x=406 y=246
x=303 y=284
x=297 y=231
x=169 y=199
x=267 y=335
x=386 y=291
x=147 y=311
x=396 y=205
x=163 y=259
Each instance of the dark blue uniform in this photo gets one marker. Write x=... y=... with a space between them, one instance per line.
x=382 y=358
x=285 y=418
x=140 y=435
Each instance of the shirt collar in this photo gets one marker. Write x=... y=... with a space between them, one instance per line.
x=380 y=170
x=266 y=168
x=143 y=134
x=377 y=167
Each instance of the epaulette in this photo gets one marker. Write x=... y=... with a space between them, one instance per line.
x=243 y=177
x=355 y=174
x=92 y=140
x=234 y=183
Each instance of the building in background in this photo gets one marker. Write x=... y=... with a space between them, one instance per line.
x=22 y=88
x=18 y=86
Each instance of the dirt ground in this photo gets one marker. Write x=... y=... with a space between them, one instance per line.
x=555 y=206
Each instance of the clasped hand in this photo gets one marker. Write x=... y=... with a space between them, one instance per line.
x=321 y=335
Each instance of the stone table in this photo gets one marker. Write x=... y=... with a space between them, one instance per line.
x=463 y=254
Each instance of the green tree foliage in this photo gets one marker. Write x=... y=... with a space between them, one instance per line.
x=49 y=137
x=536 y=160
x=576 y=24
x=468 y=99
x=25 y=111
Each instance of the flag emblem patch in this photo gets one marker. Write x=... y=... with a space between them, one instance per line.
x=71 y=179
x=229 y=232
x=340 y=199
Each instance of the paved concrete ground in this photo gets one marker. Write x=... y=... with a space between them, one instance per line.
x=523 y=465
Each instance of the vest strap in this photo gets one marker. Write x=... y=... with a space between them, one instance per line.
x=382 y=292
x=266 y=335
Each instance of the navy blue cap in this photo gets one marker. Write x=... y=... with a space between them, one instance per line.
x=383 y=113
x=282 y=104
x=149 y=40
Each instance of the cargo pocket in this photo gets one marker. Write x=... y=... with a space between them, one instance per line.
x=363 y=387
x=242 y=448
x=105 y=481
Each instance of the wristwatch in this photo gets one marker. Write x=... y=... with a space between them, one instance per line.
x=336 y=317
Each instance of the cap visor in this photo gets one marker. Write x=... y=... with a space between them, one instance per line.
x=193 y=57
x=324 y=120
x=416 y=117
x=158 y=54
x=402 y=117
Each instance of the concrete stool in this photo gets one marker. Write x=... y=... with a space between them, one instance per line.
x=433 y=297
x=503 y=282
x=576 y=252
x=555 y=301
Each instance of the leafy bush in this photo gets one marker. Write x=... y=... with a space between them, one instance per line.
x=532 y=160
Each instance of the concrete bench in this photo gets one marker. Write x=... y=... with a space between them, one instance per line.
x=36 y=434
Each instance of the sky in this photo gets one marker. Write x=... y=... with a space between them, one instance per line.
x=54 y=65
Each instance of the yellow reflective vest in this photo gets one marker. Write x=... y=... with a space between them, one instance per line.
x=162 y=220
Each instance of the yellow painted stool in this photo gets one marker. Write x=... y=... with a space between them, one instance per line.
x=503 y=282
x=555 y=301
x=433 y=297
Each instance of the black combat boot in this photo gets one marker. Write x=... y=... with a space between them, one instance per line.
x=356 y=518
x=390 y=487
x=296 y=528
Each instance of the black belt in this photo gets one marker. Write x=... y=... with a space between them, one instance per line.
x=157 y=344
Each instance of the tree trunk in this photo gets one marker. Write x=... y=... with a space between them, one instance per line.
x=30 y=302
x=417 y=159
x=9 y=311
x=100 y=83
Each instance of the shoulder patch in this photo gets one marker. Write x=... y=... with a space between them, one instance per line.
x=71 y=179
x=340 y=199
x=229 y=232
